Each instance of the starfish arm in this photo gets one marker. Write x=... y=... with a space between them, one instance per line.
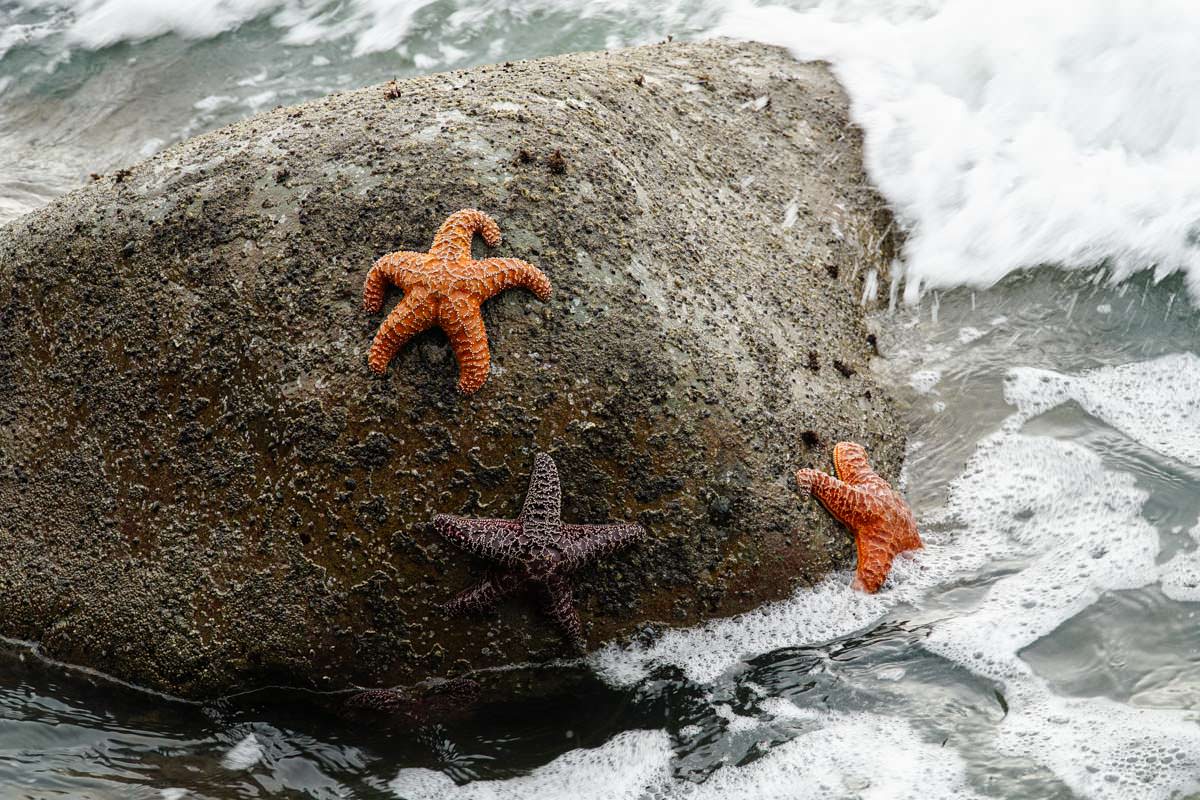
x=875 y=559
x=586 y=543
x=410 y=316
x=497 y=540
x=850 y=461
x=484 y=594
x=543 y=501
x=463 y=323
x=498 y=274
x=453 y=239
x=560 y=605
x=394 y=269
x=841 y=499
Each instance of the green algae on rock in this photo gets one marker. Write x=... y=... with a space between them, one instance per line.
x=204 y=488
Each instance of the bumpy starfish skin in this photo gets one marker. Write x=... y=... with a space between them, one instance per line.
x=536 y=549
x=882 y=523
x=445 y=287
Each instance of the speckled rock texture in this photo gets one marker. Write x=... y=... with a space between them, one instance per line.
x=204 y=488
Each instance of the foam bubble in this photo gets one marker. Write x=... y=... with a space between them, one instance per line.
x=967 y=334
x=828 y=610
x=924 y=380
x=823 y=761
x=1000 y=145
x=736 y=723
x=373 y=26
x=1069 y=529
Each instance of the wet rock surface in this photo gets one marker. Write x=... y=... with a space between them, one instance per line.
x=204 y=488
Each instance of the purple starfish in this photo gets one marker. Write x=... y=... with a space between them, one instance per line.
x=535 y=548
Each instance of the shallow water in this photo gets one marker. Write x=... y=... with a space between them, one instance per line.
x=1043 y=644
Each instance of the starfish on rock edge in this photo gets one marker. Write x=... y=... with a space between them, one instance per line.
x=445 y=287
x=537 y=548
x=882 y=523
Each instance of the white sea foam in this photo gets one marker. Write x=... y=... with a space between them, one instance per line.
x=968 y=334
x=1180 y=576
x=823 y=762
x=1156 y=403
x=1078 y=530
x=924 y=380
x=620 y=769
x=1074 y=525
x=243 y=755
x=1102 y=749
x=827 y=763
x=13 y=35
x=828 y=610
x=99 y=23
x=372 y=25
x=1008 y=135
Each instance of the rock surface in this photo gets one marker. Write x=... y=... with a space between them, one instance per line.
x=203 y=487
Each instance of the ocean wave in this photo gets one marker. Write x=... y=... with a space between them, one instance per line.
x=1012 y=135
x=1004 y=136
x=374 y=26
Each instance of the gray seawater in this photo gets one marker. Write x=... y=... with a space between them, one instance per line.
x=1045 y=644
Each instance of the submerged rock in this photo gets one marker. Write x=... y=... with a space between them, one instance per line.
x=202 y=485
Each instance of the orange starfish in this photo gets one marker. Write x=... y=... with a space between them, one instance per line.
x=445 y=287
x=881 y=521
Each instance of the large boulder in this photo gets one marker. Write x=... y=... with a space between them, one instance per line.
x=202 y=485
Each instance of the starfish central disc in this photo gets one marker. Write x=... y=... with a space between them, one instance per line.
x=882 y=523
x=537 y=549
x=445 y=288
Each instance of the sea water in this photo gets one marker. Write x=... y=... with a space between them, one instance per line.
x=1045 y=643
